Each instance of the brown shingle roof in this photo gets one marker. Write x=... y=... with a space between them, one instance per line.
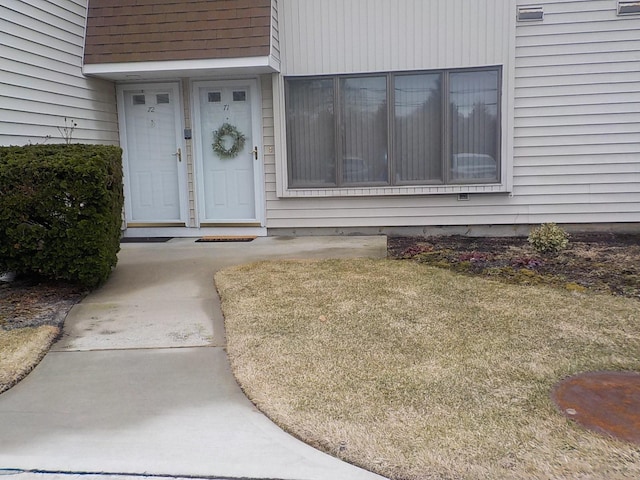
x=149 y=30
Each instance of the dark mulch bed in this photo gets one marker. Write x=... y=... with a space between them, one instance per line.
x=31 y=302
x=608 y=263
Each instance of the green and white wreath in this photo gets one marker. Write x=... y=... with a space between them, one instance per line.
x=219 y=147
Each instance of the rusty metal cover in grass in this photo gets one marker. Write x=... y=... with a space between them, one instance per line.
x=605 y=402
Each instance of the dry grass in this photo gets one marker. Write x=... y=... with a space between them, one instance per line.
x=418 y=373
x=21 y=350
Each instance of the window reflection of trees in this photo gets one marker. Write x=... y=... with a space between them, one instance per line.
x=364 y=129
x=444 y=127
x=418 y=127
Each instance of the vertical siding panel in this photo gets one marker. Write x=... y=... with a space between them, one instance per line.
x=333 y=36
x=275 y=29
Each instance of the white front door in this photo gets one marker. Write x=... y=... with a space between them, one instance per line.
x=228 y=180
x=155 y=186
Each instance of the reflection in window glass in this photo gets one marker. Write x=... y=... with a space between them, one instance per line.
x=444 y=128
x=473 y=126
x=311 y=133
x=418 y=127
x=364 y=129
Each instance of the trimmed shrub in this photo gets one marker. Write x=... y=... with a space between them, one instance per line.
x=60 y=211
x=548 y=238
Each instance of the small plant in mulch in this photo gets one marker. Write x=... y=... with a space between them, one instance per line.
x=606 y=263
x=548 y=238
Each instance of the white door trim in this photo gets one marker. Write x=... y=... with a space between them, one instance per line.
x=176 y=89
x=256 y=121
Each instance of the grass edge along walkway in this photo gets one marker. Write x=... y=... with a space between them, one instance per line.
x=416 y=372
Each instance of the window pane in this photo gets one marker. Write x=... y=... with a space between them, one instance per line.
x=418 y=127
x=364 y=129
x=310 y=133
x=473 y=126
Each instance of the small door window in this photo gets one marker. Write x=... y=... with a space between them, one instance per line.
x=138 y=100
x=240 y=96
x=215 y=97
x=162 y=98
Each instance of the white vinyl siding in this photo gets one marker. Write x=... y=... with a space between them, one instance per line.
x=41 y=82
x=268 y=137
x=577 y=113
x=377 y=36
x=389 y=35
x=572 y=81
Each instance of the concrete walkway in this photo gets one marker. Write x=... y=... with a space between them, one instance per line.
x=140 y=383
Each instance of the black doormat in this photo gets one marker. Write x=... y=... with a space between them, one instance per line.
x=226 y=238
x=145 y=239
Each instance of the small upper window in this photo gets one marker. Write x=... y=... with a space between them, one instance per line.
x=162 y=98
x=138 y=100
x=530 y=14
x=628 y=8
x=240 y=96
x=214 y=97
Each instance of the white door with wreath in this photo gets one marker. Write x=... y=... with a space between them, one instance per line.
x=227 y=118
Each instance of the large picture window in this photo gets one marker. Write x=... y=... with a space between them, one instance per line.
x=418 y=128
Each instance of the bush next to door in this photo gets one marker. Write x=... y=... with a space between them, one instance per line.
x=60 y=211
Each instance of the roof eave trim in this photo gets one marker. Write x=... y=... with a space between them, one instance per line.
x=263 y=64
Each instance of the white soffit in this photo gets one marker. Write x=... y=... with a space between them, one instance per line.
x=182 y=68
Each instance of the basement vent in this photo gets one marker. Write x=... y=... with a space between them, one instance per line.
x=530 y=14
x=628 y=8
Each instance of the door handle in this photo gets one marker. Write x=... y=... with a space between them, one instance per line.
x=178 y=154
x=255 y=153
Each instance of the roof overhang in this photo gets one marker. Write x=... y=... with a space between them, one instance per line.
x=161 y=70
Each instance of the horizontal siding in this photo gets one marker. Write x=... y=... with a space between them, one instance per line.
x=577 y=112
x=575 y=151
x=268 y=139
x=440 y=210
x=41 y=82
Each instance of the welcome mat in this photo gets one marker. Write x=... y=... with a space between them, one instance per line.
x=226 y=238
x=145 y=239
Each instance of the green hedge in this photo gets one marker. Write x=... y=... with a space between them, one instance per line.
x=60 y=211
